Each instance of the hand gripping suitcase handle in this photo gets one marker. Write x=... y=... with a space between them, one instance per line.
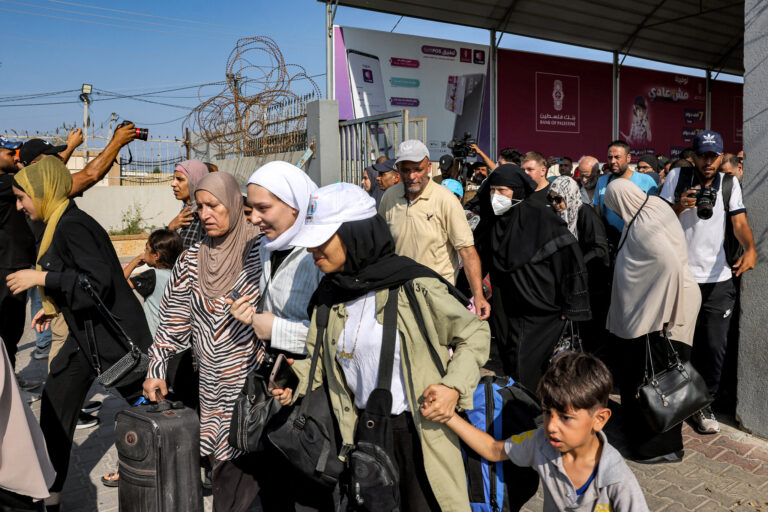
x=165 y=405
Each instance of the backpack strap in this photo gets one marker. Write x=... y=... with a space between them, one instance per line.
x=727 y=188
x=684 y=182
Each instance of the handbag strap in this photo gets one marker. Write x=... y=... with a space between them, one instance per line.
x=321 y=321
x=416 y=310
x=649 y=359
x=86 y=285
x=626 y=232
x=388 y=339
x=671 y=350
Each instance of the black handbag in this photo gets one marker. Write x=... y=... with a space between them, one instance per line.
x=254 y=406
x=373 y=476
x=130 y=368
x=670 y=396
x=309 y=438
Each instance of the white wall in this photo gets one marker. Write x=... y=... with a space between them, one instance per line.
x=107 y=204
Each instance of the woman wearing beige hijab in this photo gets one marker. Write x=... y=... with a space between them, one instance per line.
x=194 y=312
x=653 y=291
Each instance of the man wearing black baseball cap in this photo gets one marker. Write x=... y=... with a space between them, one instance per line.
x=714 y=219
x=17 y=250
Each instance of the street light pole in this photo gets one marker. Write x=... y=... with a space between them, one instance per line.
x=85 y=97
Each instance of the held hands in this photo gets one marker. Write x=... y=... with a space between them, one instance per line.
x=155 y=390
x=285 y=395
x=25 y=279
x=439 y=403
x=183 y=219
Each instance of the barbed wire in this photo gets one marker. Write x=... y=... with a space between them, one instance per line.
x=258 y=101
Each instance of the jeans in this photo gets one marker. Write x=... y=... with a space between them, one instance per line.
x=36 y=304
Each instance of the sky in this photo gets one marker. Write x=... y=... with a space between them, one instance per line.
x=162 y=52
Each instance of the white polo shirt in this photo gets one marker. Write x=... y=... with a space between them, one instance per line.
x=706 y=255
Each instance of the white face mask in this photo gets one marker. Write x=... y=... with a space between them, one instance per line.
x=501 y=203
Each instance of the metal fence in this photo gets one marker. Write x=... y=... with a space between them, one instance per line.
x=364 y=140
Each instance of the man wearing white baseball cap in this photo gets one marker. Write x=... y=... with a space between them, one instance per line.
x=429 y=225
x=351 y=244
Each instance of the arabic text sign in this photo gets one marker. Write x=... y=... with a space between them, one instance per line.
x=557 y=103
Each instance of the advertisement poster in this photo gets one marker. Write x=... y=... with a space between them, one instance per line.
x=554 y=105
x=660 y=112
x=378 y=72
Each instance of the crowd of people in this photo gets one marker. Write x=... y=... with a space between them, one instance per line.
x=448 y=277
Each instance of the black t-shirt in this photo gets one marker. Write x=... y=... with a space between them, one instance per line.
x=540 y=195
x=17 y=244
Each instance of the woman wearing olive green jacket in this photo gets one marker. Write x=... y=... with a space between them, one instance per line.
x=352 y=246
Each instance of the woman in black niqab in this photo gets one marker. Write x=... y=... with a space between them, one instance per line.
x=537 y=277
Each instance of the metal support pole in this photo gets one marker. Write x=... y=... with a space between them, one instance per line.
x=85 y=130
x=708 y=107
x=493 y=77
x=616 y=83
x=329 y=92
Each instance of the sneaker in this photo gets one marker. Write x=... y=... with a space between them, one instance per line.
x=86 y=421
x=32 y=397
x=90 y=407
x=41 y=353
x=27 y=384
x=704 y=422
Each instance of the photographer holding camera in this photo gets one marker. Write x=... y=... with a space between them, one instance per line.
x=709 y=206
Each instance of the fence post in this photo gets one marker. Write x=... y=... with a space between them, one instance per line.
x=323 y=127
x=405 y=124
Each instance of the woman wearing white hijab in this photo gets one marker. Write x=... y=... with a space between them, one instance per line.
x=279 y=195
x=653 y=290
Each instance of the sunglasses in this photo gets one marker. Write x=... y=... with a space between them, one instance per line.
x=555 y=199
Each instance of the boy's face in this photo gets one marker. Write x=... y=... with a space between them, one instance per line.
x=572 y=429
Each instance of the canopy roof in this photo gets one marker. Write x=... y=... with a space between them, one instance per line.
x=706 y=34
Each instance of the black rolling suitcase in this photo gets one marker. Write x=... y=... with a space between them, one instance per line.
x=158 y=449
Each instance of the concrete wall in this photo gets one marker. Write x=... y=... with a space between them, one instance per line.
x=108 y=204
x=752 y=408
x=323 y=128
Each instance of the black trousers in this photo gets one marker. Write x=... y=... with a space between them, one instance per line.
x=644 y=443
x=12 y=502
x=12 y=316
x=415 y=491
x=62 y=398
x=710 y=340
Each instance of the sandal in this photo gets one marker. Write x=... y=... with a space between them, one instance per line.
x=110 y=479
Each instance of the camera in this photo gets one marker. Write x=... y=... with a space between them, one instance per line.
x=460 y=148
x=141 y=133
x=706 y=197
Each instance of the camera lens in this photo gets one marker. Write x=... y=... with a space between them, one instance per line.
x=142 y=133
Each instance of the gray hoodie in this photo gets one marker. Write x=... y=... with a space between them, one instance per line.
x=614 y=488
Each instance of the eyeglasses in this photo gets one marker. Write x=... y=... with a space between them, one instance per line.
x=555 y=199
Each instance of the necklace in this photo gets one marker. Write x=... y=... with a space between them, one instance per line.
x=343 y=353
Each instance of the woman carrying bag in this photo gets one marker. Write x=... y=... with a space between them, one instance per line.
x=278 y=194
x=74 y=246
x=194 y=311
x=653 y=291
x=351 y=244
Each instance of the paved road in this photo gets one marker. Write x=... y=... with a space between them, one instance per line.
x=728 y=471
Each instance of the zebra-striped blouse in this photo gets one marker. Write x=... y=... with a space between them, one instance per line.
x=224 y=347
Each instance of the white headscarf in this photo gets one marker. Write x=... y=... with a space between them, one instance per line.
x=652 y=283
x=292 y=186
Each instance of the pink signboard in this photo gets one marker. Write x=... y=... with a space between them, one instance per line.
x=554 y=105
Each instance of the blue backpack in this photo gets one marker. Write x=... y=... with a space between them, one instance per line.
x=502 y=408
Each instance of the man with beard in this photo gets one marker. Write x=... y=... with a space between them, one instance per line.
x=479 y=173
x=618 y=160
x=589 y=172
x=429 y=225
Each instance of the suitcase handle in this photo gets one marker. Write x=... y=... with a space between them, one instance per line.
x=165 y=405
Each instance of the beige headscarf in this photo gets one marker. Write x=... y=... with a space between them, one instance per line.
x=24 y=465
x=652 y=283
x=221 y=258
x=48 y=182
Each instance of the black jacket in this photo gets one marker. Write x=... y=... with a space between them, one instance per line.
x=81 y=246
